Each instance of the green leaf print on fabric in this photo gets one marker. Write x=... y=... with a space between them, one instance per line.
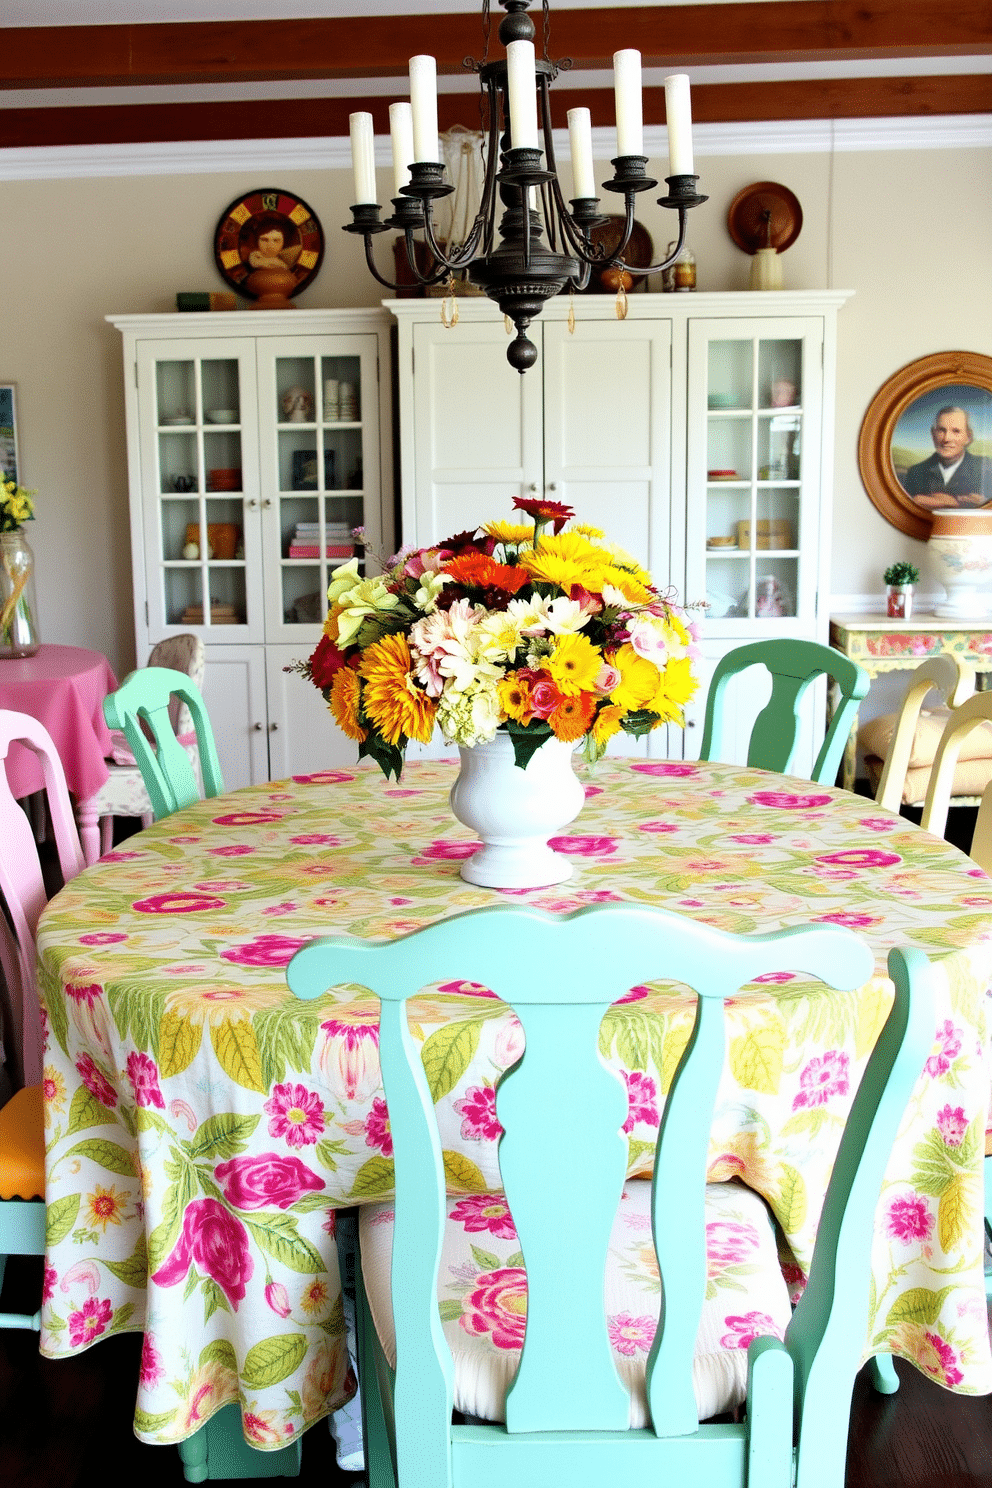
x=328 y=1152
x=790 y=1204
x=278 y=1234
x=134 y=1271
x=219 y=1351
x=756 y=1058
x=273 y=1360
x=109 y=1155
x=178 y=1044
x=461 y=1174
x=86 y=1111
x=374 y=1179
x=60 y=1216
x=236 y=1047
x=919 y=1305
x=447 y=1054
x=224 y=1135
x=177 y=1196
x=287 y=1042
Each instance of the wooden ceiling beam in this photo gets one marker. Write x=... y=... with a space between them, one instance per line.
x=380 y=46
x=841 y=98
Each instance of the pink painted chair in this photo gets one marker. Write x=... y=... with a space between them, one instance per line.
x=22 y=1140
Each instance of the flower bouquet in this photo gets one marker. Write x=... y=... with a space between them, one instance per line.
x=18 y=623
x=519 y=628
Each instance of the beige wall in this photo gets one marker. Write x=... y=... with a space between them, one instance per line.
x=909 y=232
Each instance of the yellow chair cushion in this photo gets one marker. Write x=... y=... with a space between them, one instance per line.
x=22 y=1146
x=972 y=772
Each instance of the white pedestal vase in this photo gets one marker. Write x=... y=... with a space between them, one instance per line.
x=960 y=549
x=515 y=811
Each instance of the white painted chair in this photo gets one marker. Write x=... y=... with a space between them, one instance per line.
x=963 y=722
x=906 y=742
x=124 y=793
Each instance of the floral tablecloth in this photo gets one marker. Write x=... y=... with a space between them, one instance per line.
x=202 y=1125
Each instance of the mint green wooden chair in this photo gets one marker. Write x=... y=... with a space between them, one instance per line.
x=562 y=1159
x=794 y=665
x=165 y=766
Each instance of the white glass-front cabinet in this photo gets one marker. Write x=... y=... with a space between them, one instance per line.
x=697 y=433
x=257 y=442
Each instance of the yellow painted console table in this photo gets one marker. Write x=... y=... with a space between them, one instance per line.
x=883 y=645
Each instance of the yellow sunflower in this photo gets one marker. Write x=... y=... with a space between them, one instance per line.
x=346 y=692
x=676 y=686
x=392 y=700
x=513 y=533
x=607 y=723
x=574 y=664
x=565 y=560
x=631 y=586
x=514 y=698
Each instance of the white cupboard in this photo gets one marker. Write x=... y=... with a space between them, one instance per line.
x=257 y=442
x=697 y=433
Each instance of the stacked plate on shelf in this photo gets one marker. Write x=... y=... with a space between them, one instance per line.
x=347 y=403
x=305 y=542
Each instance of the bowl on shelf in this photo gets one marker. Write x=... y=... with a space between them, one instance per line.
x=222 y=415
x=227 y=479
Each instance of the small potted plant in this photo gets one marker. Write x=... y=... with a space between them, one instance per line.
x=899 y=579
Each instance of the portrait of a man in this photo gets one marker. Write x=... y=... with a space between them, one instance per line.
x=956 y=471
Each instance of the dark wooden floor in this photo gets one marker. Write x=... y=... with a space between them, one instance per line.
x=68 y=1424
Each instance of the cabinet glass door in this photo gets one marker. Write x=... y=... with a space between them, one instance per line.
x=753 y=459
x=201 y=541
x=320 y=471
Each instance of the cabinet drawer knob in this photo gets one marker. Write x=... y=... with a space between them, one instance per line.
x=259 y=727
x=251 y=503
x=552 y=485
x=266 y=502
x=273 y=728
x=532 y=486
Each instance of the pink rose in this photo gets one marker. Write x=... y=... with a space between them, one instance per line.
x=544 y=696
x=96 y=1081
x=270 y=1178
x=446 y=851
x=177 y=901
x=788 y=800
x=152 y=1369
x=745 y=1328
x=822 y=1078
x=666 y=769
x=215 y=1242
x=584 y=847
x=497 y=1305
x=324 y=777
x=909 y=1219
x=377 y=1133
x=143 y=1074
x=265 y=950
x=861 y=857
x=642 y=1100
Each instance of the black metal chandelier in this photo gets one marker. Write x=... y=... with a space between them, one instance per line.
x=540 y=251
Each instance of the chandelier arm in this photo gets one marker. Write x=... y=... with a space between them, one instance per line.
x=386 y=283
x=665 y=263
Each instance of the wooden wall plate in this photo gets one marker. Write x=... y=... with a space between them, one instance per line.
x=746 y=217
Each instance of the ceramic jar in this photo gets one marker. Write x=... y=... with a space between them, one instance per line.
x=515 y=811
x=960 y=549
x=19 y=635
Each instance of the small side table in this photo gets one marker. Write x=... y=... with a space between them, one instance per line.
x=883 y=645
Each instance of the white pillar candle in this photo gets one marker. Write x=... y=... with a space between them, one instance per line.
x=363 y=157
x=401 y=135
x=522 y=82
x=627 y=88
x=423 y=99
x=679 y=116
x=580 y=143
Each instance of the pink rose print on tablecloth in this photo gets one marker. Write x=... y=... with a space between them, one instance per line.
x=822 y=1078
x=583 y=846
x=947 y=1048
x=909 y=1219
x=215 y=1242
x=89 y=1322
x=296 y=1114
x=102 y=937
x=657 y=826
x=316 y=839
x=152 y=1370
x=265 y=950
x=466 y=989
x=642 y=1100
x=95 y=1081
x=445 y=852
x=232 y=850
x=377 y=1133
x=485 y=1214
x=177 y=901
x=324 y=777
x=952 y=1124
x=947 y=1358
x=788 y=800
x=247 y=818
x=630 y=1335
x=270 y=1178
x=861 y=857
x=51 y=1276
x=142 y=1072
x=878 y=823
x=477 y=1108
x=744 y=1328
x=729 y=1243
x=669 y=769
x=752 y=839
x=497 y=1305
x=849 y=917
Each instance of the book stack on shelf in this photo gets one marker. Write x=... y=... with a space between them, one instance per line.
x=305 y=542
x=221 y=613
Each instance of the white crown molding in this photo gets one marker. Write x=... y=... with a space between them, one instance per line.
x=217 y=157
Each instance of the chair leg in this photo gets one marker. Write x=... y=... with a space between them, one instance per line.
x=89 y=831
x=106 y=834
x=883 y=1374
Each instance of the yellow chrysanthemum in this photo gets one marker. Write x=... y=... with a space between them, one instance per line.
x=574 y=664
x=584 y=530
x=393 y=701
x=676 y=686
x=565 y=560
x=630 y=586
x=607 y=723
x=105 y=1206
x=514 y=533
x=639 y=680
x=346 y=692
x=514 y=698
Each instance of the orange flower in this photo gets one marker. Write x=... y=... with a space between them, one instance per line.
x=608 y=723
x=572 y=717
x=514 y=697
x=346 y=691
x=477 y=570
x=393 y=701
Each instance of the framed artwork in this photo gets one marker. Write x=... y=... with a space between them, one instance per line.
x=265 y=230
x=305 y=470
x=926 y=440
x=9 y=463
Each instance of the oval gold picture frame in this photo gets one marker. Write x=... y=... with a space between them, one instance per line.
x=878 y=475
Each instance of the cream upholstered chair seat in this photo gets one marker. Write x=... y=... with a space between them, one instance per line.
x=900 y=748
x=124 y=793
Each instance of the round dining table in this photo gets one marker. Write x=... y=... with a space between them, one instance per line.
x=63 y=687
x=202 y=1126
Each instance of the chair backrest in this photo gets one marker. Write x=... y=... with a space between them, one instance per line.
x=981 y=837
x=21 y=879
x=794 y=665
x=180 y=653
x=560 y=975
x=165 y=766
x=955 y=682
x=972 y=713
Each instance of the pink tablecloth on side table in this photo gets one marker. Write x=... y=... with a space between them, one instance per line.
x=64 y=688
